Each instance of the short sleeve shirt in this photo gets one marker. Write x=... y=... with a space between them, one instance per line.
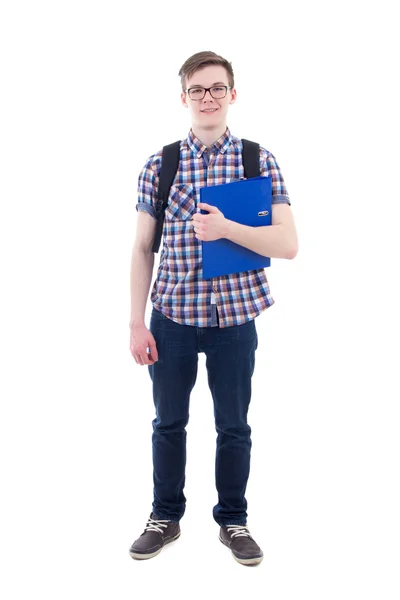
x=179 y=291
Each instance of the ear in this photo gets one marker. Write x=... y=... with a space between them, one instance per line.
x=234 y=95
x=183 y=99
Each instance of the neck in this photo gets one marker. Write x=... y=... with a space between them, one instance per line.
x=208 y=136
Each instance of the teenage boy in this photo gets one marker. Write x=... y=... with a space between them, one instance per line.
x=192 y=315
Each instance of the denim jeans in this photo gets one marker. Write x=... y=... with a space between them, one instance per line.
x=230 y=360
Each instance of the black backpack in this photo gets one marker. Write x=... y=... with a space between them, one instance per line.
x=169 y=167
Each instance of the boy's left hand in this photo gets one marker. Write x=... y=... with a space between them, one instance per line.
x=209 y=227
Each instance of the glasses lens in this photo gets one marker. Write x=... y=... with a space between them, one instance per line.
x=196 y=93
x=218 y=92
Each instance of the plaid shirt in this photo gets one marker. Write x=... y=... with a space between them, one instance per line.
x=179 y=291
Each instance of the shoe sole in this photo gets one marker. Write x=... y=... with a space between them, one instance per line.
x=138 y=556
x=244 y=561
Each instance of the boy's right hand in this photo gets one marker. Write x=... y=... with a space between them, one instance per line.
x=141 y=339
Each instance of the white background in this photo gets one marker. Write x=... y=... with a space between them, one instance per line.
x=89 y=91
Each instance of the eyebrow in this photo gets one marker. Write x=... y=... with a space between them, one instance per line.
x=216 y=83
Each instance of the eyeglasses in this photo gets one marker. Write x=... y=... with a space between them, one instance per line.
x=217 y=92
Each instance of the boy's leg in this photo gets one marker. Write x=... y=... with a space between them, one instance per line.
x=173 y=376
x=230 y=365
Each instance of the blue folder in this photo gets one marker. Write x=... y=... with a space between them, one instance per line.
x=247 y=202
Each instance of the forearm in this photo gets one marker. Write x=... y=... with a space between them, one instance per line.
x=269 y=240
x=142 y=264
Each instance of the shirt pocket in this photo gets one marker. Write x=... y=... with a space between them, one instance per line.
x=181 y=203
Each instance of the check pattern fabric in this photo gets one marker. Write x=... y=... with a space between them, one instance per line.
x=179 y=290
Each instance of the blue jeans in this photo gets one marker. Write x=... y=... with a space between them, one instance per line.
x=230 y=360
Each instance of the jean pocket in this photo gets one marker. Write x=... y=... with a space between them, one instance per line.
x=181 y=203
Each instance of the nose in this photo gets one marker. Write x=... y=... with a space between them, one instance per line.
x=209 y=93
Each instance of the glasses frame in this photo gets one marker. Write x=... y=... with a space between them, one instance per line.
x=197 y=87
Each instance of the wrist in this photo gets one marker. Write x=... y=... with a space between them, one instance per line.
x=227 y=228
x=133 y=323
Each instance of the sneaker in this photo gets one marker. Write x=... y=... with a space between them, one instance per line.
x=157 y=533
x=244 y=548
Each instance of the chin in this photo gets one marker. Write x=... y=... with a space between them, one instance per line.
x=207 y=122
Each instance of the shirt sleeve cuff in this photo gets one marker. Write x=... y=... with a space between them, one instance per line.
x=142 y=206
x=281 y=199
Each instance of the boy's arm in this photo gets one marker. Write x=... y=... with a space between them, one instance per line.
x=278 y=240
x=142 y=265
x=142 y=262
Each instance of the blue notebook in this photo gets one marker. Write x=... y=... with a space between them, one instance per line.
x=247 y=202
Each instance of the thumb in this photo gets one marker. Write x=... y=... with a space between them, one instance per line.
x=206 y=206
x=153 y=350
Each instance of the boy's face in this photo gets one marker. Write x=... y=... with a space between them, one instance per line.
x=201 y=114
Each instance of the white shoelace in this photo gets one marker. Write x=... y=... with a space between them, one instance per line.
x=156 y=525
x=238 y=530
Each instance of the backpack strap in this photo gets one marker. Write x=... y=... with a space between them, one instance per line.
x=169 y=167
x=251 y=159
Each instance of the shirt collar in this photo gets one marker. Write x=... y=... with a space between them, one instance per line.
x=198 y=148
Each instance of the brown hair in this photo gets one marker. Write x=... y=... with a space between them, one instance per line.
x=199 y=61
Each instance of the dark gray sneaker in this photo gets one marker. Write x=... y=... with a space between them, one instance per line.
x=244 y=548
x=157 y=533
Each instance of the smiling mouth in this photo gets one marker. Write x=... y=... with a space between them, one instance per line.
x=210 y=110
